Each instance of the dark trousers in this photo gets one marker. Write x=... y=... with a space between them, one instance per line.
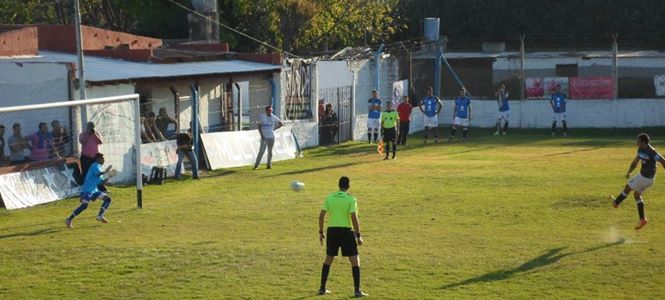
x=403 y=132
x=86 y=162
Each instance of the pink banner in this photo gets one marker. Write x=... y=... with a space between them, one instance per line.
x=535 y=88
x=591 y=88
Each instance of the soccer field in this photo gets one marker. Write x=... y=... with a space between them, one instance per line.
x=518 y=217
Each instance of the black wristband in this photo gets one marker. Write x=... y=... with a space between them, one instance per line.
x=321 y=231
x=357 y=234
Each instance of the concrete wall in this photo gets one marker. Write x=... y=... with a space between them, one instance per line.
x=623 y=113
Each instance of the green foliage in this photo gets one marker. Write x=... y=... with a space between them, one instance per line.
x=525 y=216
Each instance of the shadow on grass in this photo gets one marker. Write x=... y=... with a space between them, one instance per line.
x=343 y=149
x=550 y=257
x=213 y=174
x=61 y=221
x=574 y=151
x=582 y=201
x=322 y=168
x=30 y=233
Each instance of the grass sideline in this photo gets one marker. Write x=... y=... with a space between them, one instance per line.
x=514 y=217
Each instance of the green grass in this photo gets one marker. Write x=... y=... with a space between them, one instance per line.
x=519 y=217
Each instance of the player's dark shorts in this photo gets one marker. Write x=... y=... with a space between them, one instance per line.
x=92 y=196
x=389 y=135
x=341 y=237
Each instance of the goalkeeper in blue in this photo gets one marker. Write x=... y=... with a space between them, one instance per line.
x=89 y=192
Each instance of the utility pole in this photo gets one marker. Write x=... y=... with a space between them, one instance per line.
x=522 y=68
x=615 y=64
x=77 y=120
x=79 y=50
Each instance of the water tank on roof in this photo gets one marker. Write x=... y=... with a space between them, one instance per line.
x=431 y=29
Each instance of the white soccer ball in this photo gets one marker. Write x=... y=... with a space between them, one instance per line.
x=297 y=185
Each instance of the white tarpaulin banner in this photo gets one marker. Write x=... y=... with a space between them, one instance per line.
x=160 y=154
x=659 y=83
x=115 y=123
x=400 y=88
x=29 y=188
x=239 y=148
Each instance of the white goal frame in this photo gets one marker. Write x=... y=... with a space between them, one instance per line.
x=102 y=100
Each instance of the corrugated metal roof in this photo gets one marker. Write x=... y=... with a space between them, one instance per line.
x=547 y=54
x=99 y=69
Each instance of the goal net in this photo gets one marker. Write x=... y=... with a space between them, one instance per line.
x=47 y=148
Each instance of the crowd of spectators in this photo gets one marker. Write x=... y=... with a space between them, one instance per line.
x=41 y=145
x=154 y=128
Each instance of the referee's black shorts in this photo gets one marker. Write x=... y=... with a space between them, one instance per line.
x=389 y=135
x=341 y=237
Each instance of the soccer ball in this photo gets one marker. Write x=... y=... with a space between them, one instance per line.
x=297 y=185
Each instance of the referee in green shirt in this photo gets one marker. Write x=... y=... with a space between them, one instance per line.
x=389 y=123
x=343 y=209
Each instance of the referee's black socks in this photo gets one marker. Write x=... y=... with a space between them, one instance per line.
x=325 y=270
x=356 y=278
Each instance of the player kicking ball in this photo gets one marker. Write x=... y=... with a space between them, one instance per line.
x=642 y=181
x=90 y=192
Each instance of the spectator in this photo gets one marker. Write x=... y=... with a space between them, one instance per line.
x=18 y=146
x=145 y=136
x=404 y=110
x=151 y=119
x=163 y=121
x=268 y=123
x=42 y=144
x=184 y=144
x=2 y=143
x=60 y=138
x=330 y=125
x=90 y=140
x=322 y=104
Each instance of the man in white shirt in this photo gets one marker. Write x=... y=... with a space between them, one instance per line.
x=268 y=123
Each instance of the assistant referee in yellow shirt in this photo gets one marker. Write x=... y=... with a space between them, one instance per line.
x=343 y=209
x=389 y=125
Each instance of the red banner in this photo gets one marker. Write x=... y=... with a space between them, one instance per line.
x=591 y=87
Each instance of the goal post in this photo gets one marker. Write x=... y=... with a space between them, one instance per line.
x=45 y=137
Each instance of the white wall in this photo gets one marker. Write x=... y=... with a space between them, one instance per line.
x=623 y=113
x=33 y=83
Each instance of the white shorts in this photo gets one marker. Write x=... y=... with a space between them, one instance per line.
x=464 y=122
x=373 y=124
x=504 y=115
x=431 y=122
x=640 y=183
x=559 y=117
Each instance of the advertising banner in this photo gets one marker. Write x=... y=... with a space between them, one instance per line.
x=542 y=88
x=659 y=83
x=33 y=187
x=159 y=154
x=591 y=88
x=240 y=148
